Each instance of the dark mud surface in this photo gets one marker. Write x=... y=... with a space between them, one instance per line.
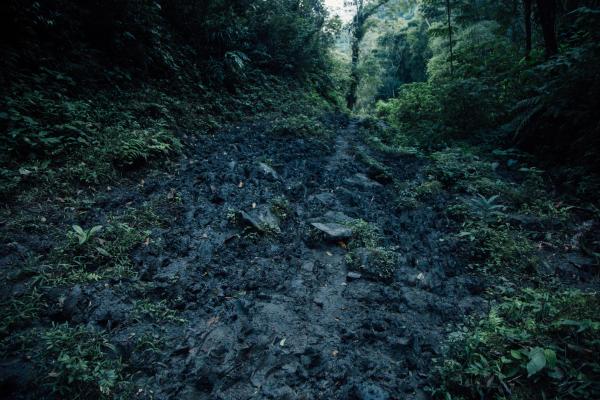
x=267 y=306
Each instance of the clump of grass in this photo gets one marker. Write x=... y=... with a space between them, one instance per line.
x=75 y=361
x=457 y=164
x=427 y=189
x=281 y=208
x=94 y=253
x=365 y=234
x=156 y=311
x=498 y=248
x=376 y=263
x=19 y=311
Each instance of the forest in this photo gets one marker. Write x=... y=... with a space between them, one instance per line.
x=300 y=199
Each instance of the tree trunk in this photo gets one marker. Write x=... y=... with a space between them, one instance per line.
x=547 y=12
x=527 y=15
x=449 y=13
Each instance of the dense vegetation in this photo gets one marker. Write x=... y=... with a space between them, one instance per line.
x=496 y=102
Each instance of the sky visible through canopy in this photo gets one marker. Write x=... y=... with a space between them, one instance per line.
x=343 y=8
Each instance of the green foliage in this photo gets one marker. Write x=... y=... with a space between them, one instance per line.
x=81 y=362
x=84 y=235
x=158 y=312
x=365 y=234
x=19 y=311
x=558 y=119
x=497 y=247
x=376 y=263
x=299 y=125
x=534 y=344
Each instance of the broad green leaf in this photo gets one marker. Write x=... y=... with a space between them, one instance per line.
x=537 y=361
x=95 y=229
x=78 y=230
x=550 y=357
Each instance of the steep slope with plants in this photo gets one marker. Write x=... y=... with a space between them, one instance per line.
x=251 y=200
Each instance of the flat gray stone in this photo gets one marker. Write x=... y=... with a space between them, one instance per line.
x=333 y=231
x=262 y=219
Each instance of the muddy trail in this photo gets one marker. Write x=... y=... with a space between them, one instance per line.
x=292 y=275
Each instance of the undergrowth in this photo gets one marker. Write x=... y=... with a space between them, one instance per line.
x=535 y=343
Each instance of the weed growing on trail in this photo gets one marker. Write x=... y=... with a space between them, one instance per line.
x=156 y=311
x=19 y=311
x=365 y=234
x=534 y=344
x=410 y=194
x=79 y=362
x=376 y=263
x=96 y=253
x=498 y=248
x=281 y=208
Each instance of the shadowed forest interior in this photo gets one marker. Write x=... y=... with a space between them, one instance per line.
x=300 y=199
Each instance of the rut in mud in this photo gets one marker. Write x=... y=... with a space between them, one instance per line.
x=273 y=306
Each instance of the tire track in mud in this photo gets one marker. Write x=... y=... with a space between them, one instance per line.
x=274 y=315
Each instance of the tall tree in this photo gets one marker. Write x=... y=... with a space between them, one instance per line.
x=363 y=12
x=449 y=16
x=527 y=16
x=547 y=13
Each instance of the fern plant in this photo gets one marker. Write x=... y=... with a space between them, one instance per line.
x=487 y=208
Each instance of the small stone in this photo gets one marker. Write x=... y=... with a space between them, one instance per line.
x=308 y=266
x=333 y=230
x=268 y=171
x=352 y=276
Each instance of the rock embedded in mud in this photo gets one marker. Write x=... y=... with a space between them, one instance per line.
x=352 y=276
x=262 y=219
x=308 y=266
x=362 y=181
x=333 y=231
x=268 y=171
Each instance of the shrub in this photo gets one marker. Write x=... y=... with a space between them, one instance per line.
x=534 y=344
